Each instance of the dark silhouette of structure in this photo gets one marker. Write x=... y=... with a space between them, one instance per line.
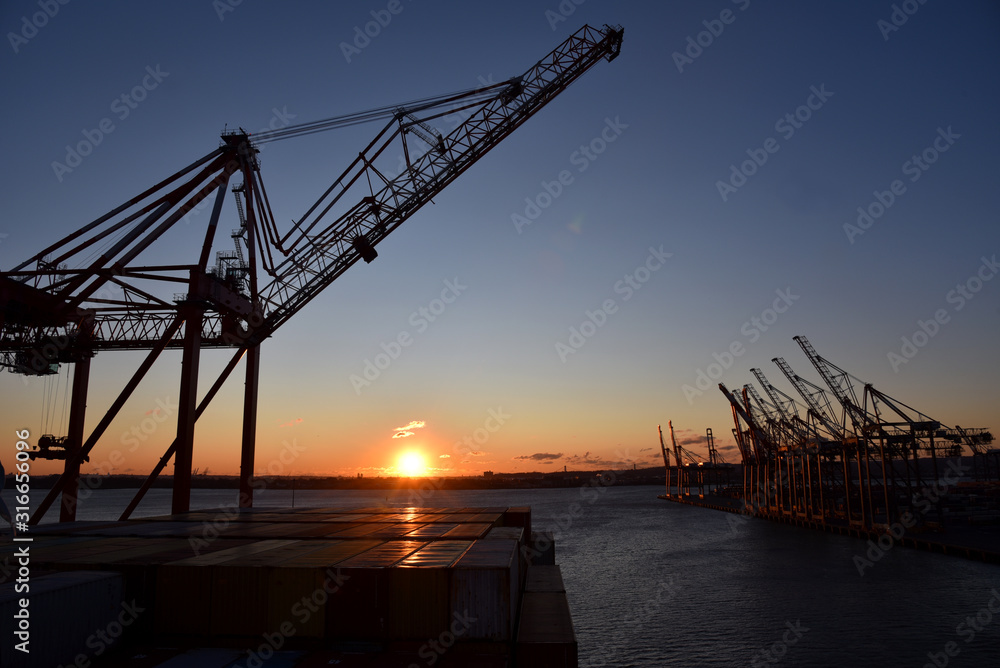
x=861 y=466
x=61 y=306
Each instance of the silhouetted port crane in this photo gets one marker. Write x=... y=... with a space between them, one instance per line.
x=714 y=458
x=786 y=410
x=695 y=471
x=858 y=467
x=757 y=452
x=680 y=451
x=62 y=307
x=820 y=413
x=663 y=448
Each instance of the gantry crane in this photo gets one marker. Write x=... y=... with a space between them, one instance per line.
x=785 y=408
x=681 y=451
x=856 y=470
x=757 y=452
x=60 y=307
x=872 y=441
x=820 y=411
x=663 y=449
x=765 y=414
x=891 y=428
x=714 y=458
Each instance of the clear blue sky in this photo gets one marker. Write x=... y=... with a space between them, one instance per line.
x=868 y=97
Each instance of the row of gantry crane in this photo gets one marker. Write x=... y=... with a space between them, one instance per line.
x=865 y=465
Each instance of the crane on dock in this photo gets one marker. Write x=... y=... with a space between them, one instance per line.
x=785 y=408
x=680 y=450
x=765 y=413
x=860 y=466
x=715 y=458
x=890 y=424
x=820 y=410
x=61 y=306
x=691 y=470
x=663 y=449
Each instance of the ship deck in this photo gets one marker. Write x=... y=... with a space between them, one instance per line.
x=294 y=588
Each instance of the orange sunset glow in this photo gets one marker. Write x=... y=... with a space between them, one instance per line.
x=411 y=464
x=542 y=313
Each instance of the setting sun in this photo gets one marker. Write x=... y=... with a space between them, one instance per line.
x=411 y=464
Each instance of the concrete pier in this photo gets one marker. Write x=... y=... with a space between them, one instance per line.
x=980 y=543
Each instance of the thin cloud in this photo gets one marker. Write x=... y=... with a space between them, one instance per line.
x=403 y=432
x=686 y=437
x=587 y=460
x=444 y=456
x=291 y=423
x=540 y=456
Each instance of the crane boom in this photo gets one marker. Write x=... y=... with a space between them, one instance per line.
x=62 y=305
x=785 y=405
x=765 y=410
x=839 y=383
x=344 y=242
x=786 y=408
x=759 y=441
x=680 y=450
x=663 y=448
x=294 y=268
x=815 y=398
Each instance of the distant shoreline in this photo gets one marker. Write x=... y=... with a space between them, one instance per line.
x=648 y=476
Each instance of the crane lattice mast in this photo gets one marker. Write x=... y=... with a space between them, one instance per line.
x=61 y=306
x=815 y=398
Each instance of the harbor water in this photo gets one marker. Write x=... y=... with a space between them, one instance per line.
x=653 y=584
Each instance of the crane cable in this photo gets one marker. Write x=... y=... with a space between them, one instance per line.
x=55 y=403
x=385 y=112
x=64 y=410
x=467 y=97
x=46 y=387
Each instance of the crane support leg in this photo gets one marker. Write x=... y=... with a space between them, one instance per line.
x=105 y=422
x=249 y=427
x=168 y=455
x=187 y=407
x=77 y=412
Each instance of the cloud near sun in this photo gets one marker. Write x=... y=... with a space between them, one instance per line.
x=403 y=432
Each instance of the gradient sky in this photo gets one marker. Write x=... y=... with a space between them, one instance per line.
x=489 y=371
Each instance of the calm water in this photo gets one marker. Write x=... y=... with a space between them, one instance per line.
x=653 y=583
